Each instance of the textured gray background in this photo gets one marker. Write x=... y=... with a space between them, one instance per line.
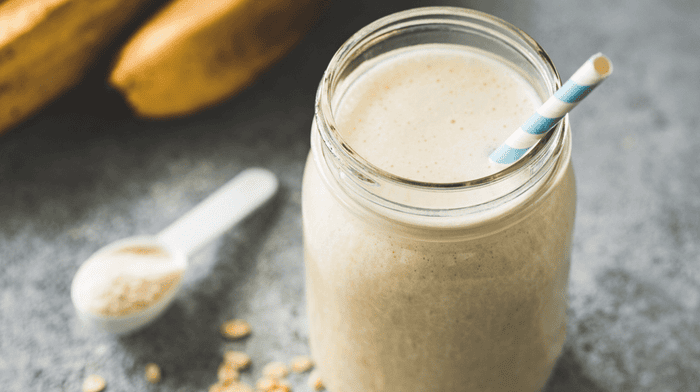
x=85 y=172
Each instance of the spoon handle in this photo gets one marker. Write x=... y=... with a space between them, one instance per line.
x=221 y=210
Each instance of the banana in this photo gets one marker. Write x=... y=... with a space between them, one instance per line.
x=47 y=46
x=194 y=54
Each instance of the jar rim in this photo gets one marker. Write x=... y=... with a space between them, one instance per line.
x=473 y=202
x=334 y=140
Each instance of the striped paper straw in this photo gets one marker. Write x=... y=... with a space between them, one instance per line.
x=581 y=83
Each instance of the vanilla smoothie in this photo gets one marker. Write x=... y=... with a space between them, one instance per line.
x=390 y=311
x=432 y=114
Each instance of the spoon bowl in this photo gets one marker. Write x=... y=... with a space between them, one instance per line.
x=217 y=213
x=84 y=283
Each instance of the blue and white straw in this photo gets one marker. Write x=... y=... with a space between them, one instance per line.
x=581 y=83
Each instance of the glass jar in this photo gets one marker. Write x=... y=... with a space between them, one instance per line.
x=417 y=286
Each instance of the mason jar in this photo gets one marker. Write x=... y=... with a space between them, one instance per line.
x=420 y=286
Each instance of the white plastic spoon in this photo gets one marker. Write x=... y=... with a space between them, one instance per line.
x=144 y=273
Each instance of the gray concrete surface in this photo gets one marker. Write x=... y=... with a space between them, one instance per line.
x=84 y=172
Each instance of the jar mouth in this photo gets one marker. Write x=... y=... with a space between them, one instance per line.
x=417 y=17
x=362 y=186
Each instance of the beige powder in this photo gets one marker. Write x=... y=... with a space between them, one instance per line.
x=128 y=294
x=129 y=280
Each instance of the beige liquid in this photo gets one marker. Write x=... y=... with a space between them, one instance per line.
x=390 y=313
x=435 y=114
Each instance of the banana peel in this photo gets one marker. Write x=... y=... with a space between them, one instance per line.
x=47 y=47
x=194 y=54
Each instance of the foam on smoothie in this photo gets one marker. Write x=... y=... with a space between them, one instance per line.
x=434 y=113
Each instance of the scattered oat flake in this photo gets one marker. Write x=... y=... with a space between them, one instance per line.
x=94 y=383
x=218 y=387
x=302 y=364
x=235 y=329
x=276 y=370
x=237 y=359
x=266 y=384
x=238 y=387
x=152 y=373
x=283 y=386
x=228 y=373
x=315 y=381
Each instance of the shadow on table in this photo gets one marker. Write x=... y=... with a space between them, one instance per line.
x=185 y=342
x=568 y=376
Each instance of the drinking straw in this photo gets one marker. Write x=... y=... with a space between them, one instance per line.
x=581 y=83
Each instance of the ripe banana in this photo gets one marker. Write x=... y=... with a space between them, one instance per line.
x=46 y=47
x=194 y=54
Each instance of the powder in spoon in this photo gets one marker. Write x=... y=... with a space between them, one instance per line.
x=128 y=294
x=129 y=280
